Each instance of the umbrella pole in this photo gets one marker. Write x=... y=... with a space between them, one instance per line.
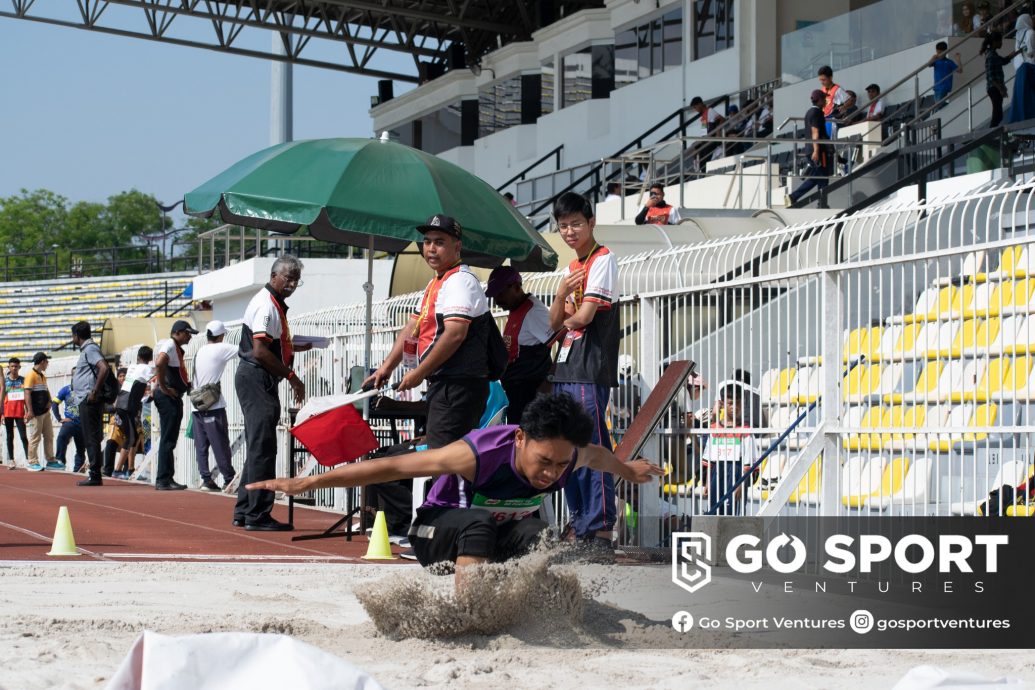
x=368 y=288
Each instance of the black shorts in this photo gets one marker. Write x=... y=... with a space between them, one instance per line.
x=443 y=534
x=455 y=407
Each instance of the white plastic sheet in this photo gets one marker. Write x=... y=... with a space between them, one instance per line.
x=932 y=677
x=323 y=403
x=227 y=661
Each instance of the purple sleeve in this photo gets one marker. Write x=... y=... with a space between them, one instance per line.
x=493 y=447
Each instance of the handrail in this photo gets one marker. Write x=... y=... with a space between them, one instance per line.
x=521 y=175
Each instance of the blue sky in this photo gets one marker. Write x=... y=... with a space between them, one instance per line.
x=88 y=115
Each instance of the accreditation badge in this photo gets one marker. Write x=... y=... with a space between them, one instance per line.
x=410 y=353
x=566 y=345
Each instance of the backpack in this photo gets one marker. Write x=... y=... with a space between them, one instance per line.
x=497 y=355
x=109 y=391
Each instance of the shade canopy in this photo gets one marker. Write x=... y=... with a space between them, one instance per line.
x=348 y=191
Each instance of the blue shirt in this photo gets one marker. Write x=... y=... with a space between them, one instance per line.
x=65 y=396
x=943 y=69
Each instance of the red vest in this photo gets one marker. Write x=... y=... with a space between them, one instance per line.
x=513 y=328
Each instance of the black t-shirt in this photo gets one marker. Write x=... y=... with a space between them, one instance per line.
x=814 y=118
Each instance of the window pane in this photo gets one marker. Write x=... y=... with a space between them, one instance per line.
x=625 y=58
x=657 y=65
x=547 y=86
x=643 y=36
x=723 y=25
x=704 y=27
x=578 y=72
x=673 y=53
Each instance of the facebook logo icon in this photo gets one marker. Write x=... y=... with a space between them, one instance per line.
x=682 y=621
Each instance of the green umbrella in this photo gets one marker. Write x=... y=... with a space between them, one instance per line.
x=369 y=193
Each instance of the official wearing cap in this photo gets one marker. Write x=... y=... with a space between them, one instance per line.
x=210 y=425
x=173 y=384
x=446 y=340
x=527 y=336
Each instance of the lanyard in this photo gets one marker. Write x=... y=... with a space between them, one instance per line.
x=430 y=294
x=286 y=346
x=581 y=288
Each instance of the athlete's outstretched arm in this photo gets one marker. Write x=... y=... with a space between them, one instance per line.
x=636 y=471
x=456 y=458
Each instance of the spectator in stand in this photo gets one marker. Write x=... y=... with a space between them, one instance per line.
x=37 y=416
x=657 y=211
x=267 y=354
x=211 y=429
x=835 y=98
x=847 y=111
x=510 y=197
x=527 y=336
x=965 y=21
x=984 y=15
x=709 y=118
x=128 y=406
x=173 y=383
x=995 y=81
x=614 y=192
x=1022 y=105
x=87 y=379
x=587 y=361
x=71 y=428
x=14 y=409
x=730 y=451
x=821 y=160
x=875 y=111
x=943 y=69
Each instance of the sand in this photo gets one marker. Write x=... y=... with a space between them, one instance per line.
x=68 y=625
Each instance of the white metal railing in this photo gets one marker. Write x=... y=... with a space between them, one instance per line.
x=931 y=302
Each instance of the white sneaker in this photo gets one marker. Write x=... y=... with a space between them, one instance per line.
x=401 y=542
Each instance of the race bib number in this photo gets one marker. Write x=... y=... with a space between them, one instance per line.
x=410 y=353
x=16 y=395
x=507 y=509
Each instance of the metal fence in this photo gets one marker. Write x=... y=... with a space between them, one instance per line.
x=896 y=349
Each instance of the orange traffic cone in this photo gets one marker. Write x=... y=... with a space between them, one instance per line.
x=64 y=542
x=380 y=549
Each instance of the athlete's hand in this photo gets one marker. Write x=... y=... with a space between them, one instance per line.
x=378 y=379
x=291 y=487
x=641 y=471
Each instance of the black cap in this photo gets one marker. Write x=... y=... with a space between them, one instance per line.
x=442 y=223
x=39 y=357
x=182 y=325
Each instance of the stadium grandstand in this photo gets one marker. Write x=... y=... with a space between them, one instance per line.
x=885 y=322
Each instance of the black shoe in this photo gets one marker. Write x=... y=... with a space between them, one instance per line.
x=596 y=550
x=106 y=473
x=269 y=525
x=90 y=482
x=209 y=485
x=238 y=522
x=171 y=486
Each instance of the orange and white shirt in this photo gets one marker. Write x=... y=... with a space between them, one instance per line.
x=455 y=295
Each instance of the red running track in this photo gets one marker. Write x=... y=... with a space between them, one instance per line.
x=125 y=520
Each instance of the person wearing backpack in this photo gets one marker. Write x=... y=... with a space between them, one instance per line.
x=450 y=341
x=210 y=424
x=173 y=383
x=129 y=404
x=89 y=379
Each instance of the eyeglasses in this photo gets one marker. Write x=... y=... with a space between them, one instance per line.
x=576 y=226
x=298 y=282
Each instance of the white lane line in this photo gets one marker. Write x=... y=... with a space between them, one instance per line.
x=49 y=540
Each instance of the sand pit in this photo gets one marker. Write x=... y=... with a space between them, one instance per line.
x=67 y=625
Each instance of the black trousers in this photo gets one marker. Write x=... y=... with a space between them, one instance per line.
x=519 y=394
x=260 y=403
x=995 y=97
x=10 y=423
x=455 y=407
x=443 y=534
x=90 y=418
x=170 y=416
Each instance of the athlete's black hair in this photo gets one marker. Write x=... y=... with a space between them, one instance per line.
x=557 y=415
x=145 y=353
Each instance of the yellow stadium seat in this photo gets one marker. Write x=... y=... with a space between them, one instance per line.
x=931 y=308
x=925 y=388
x=780 y=385
x=1009 y=262
x=902 y=342
x=862 y=341
x=975 y=336
x=989 y=385
x=982 y=416
x=860 y=480
x=872 y=418
x=1021 y=510
x=808 y=488
x=861 y=382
